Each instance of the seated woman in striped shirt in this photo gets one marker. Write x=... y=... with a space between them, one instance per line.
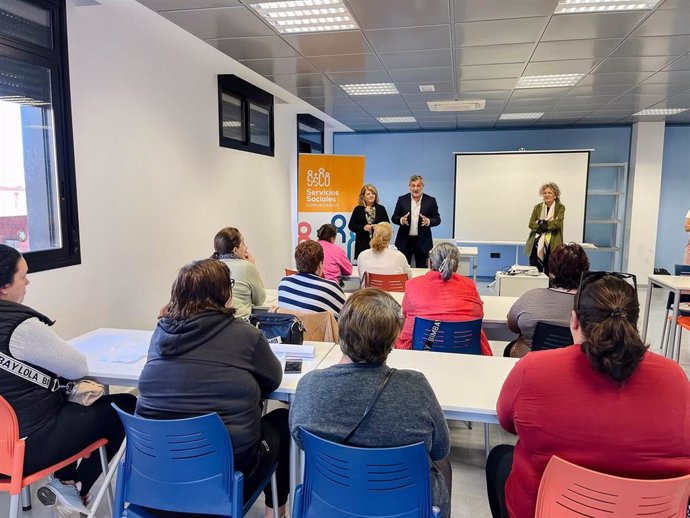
x=308 y=290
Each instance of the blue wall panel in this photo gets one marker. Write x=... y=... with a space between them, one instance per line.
x=392 y=157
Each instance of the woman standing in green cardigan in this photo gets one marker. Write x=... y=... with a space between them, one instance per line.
x=546 y=227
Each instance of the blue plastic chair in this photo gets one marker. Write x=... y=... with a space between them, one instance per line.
x=347 y=482
x=447 y=337
x=550 y=336
x=182 y=465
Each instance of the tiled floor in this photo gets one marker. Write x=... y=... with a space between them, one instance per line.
x=467 y=454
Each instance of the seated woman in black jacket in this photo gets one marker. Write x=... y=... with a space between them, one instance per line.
x=202 y=359
x=53 y=428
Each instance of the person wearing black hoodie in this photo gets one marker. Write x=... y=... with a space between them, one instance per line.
x=202 y=359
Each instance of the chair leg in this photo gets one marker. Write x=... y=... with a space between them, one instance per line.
x=26 y=498
x=14 y=506
x=680 y=338
x=106 y=481
x=274 y=495
x=664 y=339
x=487 y=442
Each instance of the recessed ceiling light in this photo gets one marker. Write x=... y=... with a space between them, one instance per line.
x=660 y=111
x=294 y=16
x=520 y=116
x=370 y=89
x=427 y=88
x=590 y=6
x=232 y=124
x=395 y=120
x=548 y=81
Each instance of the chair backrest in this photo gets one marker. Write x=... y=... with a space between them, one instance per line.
x=288 y=271
x=318 y=326
x=567 y=490
x=347 y=482
x=447 y=337
x=183 y=465
x=550 y=336
x=9 y=441
x=682 y=269
x=394 y=282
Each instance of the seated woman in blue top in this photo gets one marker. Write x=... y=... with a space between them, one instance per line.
x=308 y=290
x=202 y=359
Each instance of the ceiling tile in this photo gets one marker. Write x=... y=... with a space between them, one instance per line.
x=487 y=84
x=490 y=54
x=665 y=23
x=451 y=125
x=436 y=117
x=597 y=89
x=670 y=77
x=229 y=22
x=652 y=88
x=497 y=95
x=571 y=66
x=410 y=38
x=172 y=5
x=638 y=64
x=319 y=91
x=299 y=80
x=381 y=14
x=346 y=63
x=497 y=32
x=577 y=101
x=680 y=64
x=591 y=25
x=674 y=4
x=363 y=76
x=635 y=100
x=329 y=44
x=416 y=58
x=500 y=71
x=621 y=78
x=422 y=75
x=653 y=46
x=413 y=88
x=493 y=9
x=295 y=65
x=574 y=49
x=254 y=48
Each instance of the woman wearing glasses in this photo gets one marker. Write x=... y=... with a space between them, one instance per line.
x=605 y=403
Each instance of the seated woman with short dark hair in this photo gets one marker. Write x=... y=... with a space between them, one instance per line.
x=329 y=402
x=307 y=290
x=551 y=305
x=606 y=403
x=202 y=359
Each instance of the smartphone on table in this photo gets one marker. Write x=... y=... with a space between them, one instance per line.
x=293 y=366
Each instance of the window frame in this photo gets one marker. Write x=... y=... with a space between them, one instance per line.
x=56 y=60
x=247 y=93
x=314 y=122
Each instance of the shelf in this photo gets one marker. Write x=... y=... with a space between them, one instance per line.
x=604 y=221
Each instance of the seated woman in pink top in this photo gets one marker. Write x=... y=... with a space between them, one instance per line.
x=335 y=262
x=606 y=403
x=441 y=294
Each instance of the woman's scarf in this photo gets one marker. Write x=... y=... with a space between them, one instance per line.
x=370 y=214
x=545 y=238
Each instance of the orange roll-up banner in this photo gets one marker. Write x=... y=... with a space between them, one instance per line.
x=327 y=190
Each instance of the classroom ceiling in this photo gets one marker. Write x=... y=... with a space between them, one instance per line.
x=467 y=49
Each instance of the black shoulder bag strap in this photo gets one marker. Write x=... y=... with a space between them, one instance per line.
x=383 y=384
x=429 y=343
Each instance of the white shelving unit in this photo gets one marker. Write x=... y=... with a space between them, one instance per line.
x=606 y=199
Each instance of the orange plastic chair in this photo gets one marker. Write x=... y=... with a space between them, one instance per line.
x=568 y=490
x=395 y=282
x=288 y=271
x=12 y=458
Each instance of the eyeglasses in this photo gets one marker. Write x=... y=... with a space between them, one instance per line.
x=232 y=283
x=591 y=277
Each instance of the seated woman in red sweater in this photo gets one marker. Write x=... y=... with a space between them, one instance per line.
x=606 y=403
x=441 y=294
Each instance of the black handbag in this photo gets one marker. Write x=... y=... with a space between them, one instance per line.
x=279 y=328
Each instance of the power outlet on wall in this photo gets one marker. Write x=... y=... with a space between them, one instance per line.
x=495 y=255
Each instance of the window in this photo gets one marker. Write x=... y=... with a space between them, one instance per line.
x=309 y=134
x=246 y=116
x=38 y=206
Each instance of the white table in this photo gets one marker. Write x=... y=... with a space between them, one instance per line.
x=677 y=284
x=516 y=285
x=103 y=347
x=466 y=385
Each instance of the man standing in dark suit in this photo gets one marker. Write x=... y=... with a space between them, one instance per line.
x=416 y=213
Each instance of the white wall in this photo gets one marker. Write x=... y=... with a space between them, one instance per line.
x=153 y=184
x=646 y=158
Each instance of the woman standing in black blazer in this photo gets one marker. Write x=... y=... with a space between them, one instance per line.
x=365 y=215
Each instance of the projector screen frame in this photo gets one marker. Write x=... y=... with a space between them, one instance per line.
x=519 y=152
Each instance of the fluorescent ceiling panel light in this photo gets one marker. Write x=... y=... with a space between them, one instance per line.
x=370 y=89
x=592 y=6
x=520 y=116
x=549 y=81
x=232 y=124
x=395 y=120
x=659 y=111
x=296 y=16
x=427 y=88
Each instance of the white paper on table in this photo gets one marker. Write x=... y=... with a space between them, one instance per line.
x=293 y=351
x=128 y=352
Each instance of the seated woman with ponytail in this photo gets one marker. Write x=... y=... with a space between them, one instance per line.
x=441 y=294
x=380 y=258
x=605 y=403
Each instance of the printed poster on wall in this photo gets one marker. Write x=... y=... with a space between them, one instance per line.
x=327 y=191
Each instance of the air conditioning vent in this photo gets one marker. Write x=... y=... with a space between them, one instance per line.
x=456 y=106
